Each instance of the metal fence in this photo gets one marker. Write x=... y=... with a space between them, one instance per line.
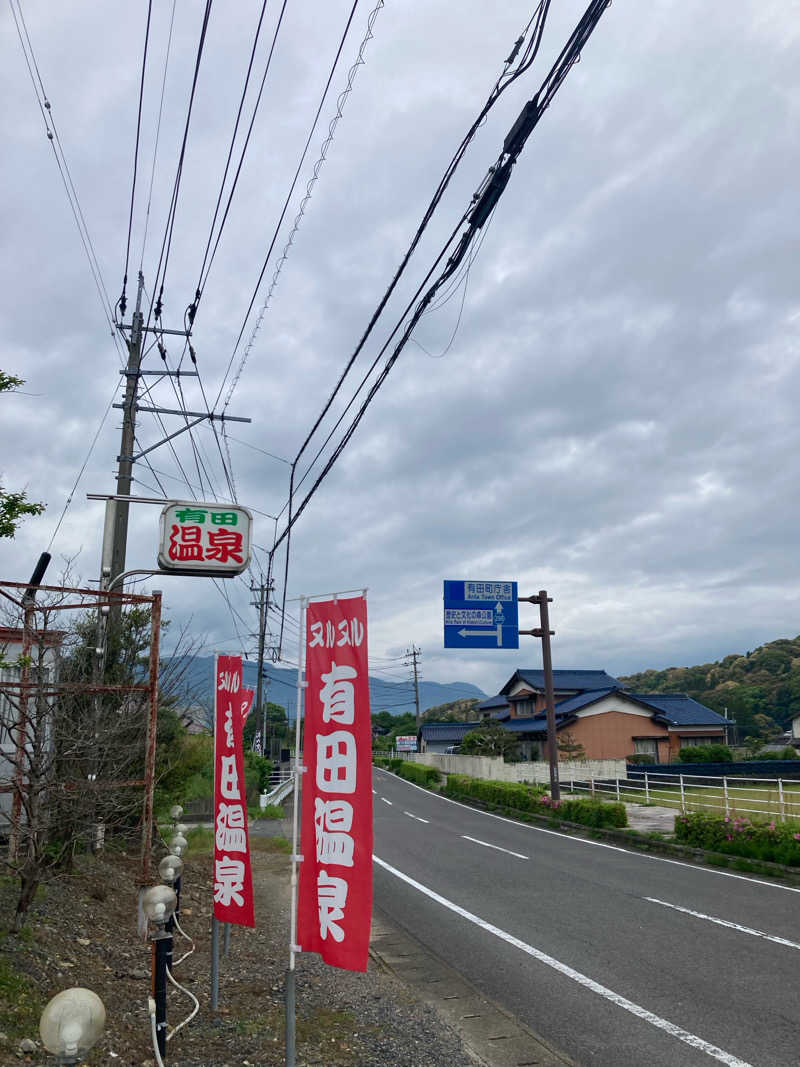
x=772 y=798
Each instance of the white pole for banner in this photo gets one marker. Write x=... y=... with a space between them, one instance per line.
x=214 y=923
x=296 y=858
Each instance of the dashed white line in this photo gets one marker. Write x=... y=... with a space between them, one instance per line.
x=486 y=844
x=599 y=844
x=581 y=979
x=386 y=801
x=726 y=922
x=408 y=813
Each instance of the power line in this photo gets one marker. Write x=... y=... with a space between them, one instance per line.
x=342 y=99
x=123 y=299
x=158 y=134
x=481 y=208
x=288 y=197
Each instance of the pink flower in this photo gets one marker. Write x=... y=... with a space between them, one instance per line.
x=796 y=837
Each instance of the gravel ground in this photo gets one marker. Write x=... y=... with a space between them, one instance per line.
x=82 y=931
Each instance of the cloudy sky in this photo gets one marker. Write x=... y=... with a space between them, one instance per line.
x=608 y=412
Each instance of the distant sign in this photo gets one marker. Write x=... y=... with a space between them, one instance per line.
x=204 y=539
x=406 y=743
x=481 y=615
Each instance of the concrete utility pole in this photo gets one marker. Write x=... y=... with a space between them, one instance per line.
x=544 y=632
x=414 y=653
x=125 y=461
x=262 y=604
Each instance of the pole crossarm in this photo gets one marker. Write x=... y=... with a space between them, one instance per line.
x=180 y=411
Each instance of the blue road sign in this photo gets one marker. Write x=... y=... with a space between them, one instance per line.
x=481 y=615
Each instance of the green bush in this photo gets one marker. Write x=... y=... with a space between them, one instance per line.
x=587 y=812
x=705 y=754
x=520 y=796
x=785 y=753
x=418 y=773
x=640 y=757
x=381 y=761
x=395 y=765
x=736 y=835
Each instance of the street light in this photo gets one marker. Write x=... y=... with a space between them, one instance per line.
x=158 y=903
x=170 y=869
x=178 y=845
x=175 y=812
x=181 y=828
x=71 y=1023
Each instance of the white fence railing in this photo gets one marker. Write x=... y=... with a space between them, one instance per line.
x=774 y=798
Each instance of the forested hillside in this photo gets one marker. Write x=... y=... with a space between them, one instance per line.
x=760 y=689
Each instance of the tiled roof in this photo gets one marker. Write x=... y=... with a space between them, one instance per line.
x=681 y=710
x=493 y=702
x=446 y=731
x=563 y=679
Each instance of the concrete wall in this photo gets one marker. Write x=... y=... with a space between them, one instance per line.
x=494 y=768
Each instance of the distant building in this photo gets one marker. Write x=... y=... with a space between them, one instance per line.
x=595 y=713
x=441 y=736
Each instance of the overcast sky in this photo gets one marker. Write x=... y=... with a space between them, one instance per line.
x=614 y=415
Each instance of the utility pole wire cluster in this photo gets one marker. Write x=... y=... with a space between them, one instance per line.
x=474 y=218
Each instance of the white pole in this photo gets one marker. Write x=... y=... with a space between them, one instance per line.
x=725 y=791
x=780 y=798
x=683 y=799
x=298 y=770
x=646 y=789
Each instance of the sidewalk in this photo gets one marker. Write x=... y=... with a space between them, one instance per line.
x=651 y=819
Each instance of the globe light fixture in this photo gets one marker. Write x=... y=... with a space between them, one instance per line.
x=170 y=869
x=175 y=812
x=181 y=828
x=178 y=845
x=71 y=1023
x=158 y=903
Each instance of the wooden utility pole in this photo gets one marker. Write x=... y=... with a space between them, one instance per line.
x=544 y=632
x=262 y=604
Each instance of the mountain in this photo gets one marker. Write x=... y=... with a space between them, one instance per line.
x=764 y=682
x=280 y=686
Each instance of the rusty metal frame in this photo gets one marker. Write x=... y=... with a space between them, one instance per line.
x=99 y=597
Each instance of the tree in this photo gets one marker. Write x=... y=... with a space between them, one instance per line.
x=569 y=748
x=490 y=739
x=14 y=507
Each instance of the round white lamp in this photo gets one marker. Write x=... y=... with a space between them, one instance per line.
x=178 y=845
x=175 y=812
x=71 y=1023
x=170 y=869
x=158 y=903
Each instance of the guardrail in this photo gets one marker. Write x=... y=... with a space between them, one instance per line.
x=278 y=793
x=774 y=798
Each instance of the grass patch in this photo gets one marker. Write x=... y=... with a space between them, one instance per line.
x=271 y=811
x=20 y=1003
x=271 y=844
x=200 y=839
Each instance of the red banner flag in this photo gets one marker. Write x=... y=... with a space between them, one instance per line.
x=233 y=879
x=246 y=698
x=335 y=891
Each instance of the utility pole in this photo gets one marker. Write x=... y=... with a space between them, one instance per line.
x=414 y=653
x=263 y=590
x=544 y=632
x=125 y=458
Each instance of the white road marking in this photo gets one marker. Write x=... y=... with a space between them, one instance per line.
x=386 y=801
x=486 y=844
x=408 y=813
x=375 y=791
x=726 y=922
x=596 y=844
x=581 y=979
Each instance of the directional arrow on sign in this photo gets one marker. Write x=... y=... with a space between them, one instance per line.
x=498 y=632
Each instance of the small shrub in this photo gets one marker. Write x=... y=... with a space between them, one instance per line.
x=705 y=754
x=737 y=835
x=520 y=796
x=785 y=753
x=419 y=773
x=271 y=811
x=640 y=757
x=587 y=812
x=396 y=764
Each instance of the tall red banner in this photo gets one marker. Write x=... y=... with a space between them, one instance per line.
x=233 y=879
x=335 y=889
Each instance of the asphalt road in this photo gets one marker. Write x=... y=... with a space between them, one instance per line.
x=614 y=957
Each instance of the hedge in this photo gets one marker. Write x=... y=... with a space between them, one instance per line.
x=522 y=796
x=419 y=773
x=739 y=836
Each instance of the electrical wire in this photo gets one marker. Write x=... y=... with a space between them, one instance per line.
x=288 y=197
x=191 y=997
x=51 y=130
x=158 y=134
x=123 y=299
x=317 y=168
x=480 y=210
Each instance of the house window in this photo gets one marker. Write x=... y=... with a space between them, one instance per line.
x=523 y=708
x=687 y=742
x=646 y=746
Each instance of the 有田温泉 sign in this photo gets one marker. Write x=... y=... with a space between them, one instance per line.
x=406 y=742
x=335 y=890
x=204 y=538
x=233 y=880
